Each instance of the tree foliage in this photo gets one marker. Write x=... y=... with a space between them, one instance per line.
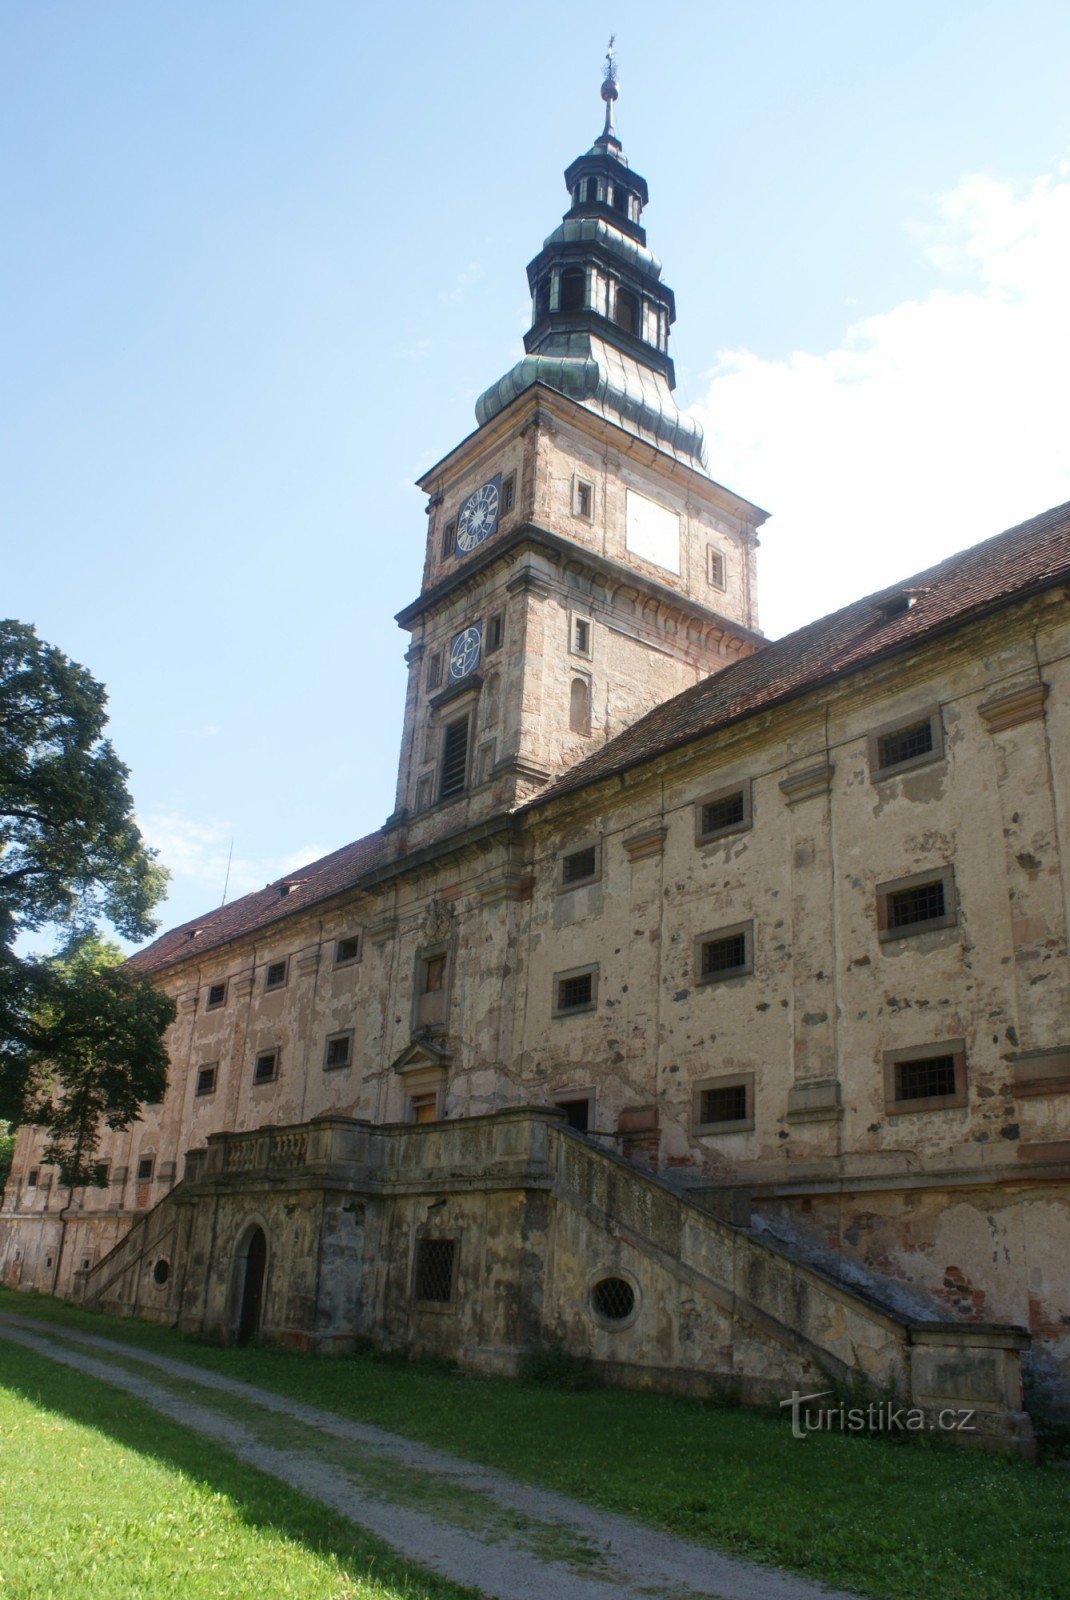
x=71 y=854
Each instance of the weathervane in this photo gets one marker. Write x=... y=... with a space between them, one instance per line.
x=610 y=88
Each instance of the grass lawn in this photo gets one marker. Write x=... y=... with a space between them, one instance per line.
x=103 y=1499
x=906 y=1521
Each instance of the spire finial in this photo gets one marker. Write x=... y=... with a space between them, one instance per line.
x=610 y=88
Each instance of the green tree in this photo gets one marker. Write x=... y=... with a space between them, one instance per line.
x=71 y=854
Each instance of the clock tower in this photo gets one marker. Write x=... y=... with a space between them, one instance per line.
x=581 y=564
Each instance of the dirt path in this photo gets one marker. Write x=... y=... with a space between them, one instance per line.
x=474 y=1525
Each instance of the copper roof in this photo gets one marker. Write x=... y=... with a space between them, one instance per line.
x=1034 y=555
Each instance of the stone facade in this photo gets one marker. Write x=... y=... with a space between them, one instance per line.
x=779 y=929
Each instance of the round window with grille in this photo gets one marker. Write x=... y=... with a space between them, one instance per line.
x=613 y=1299
x=161 y=1272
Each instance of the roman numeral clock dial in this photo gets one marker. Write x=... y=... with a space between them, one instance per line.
x=478 y=517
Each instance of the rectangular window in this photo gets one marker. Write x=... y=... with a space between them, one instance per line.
x=495 y=633
x=575 y=991
x=339 y=1051
x=715 y=568
x=581 y=866
x=918 y=904
x=582 y=498
x=423 y=1108
x=449 y=539
x=275 y=975
x=217 y=996
x=454 y=772
x=266 y=1067
x=144 y=1169
x=900 y=746
x=31 y=1178
x=434 y=670
x=723 y=812
x=581 y=636
x=926 y=1078
x=728 y=953
x=347 y=950
x=434 y=974
x=508 y=493
x=206 y=1079
x=578 y=1110
x=433 y=1271
x=724 y=1104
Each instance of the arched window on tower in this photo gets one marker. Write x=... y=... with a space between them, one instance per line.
x=579 y=706
x=542 y=299
x=620 y=199
x=573 y=289
x=591 y=187
x=627 y=311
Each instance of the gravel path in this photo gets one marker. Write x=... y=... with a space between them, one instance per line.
x=503 y=1538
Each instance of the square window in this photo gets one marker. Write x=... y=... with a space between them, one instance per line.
x=434 y=1269
x=918 y=904
x=434 y=669
x=724 y=1104
x=578 y=1109
x=144 y=1169
x=449 y=539
x=347 y=949
x=508 y=493
x=715 y=567
x=217 y=996
x=581 y=636
x=495 y=633
x=583 y=498
x=926 y=1078
x=901 y=746
x=727 y=953
x=579 y=866
x=206 y=1079
x=575 y=991
x=275 y=975
x=339 y=1051
x=726 y=811
x=266 y=1067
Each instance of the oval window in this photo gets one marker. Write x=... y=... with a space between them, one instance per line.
x=161 y=1272
x=613 y=1299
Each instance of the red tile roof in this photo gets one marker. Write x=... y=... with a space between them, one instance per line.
x=342 y=869
x=1034 y=555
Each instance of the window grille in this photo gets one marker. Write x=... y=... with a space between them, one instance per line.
x=581 y=639
x=926 y=1079
x=275 y=976
x=728 y=811
x=613 y=1299
x=433 y=1278
x=905 y=744
x=217 y=994
x=454 y=759
x=266 y=1067
x=338 y=1051
x=727 y=1104
x=206 y=1080
x=449 y=539
x=923 y=903
x=720 y=956
x=580 y=864
x=347 y=949
x=572 y=993
x=144 y=1169
x=508 y=493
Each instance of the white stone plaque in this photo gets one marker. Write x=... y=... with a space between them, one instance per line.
x=653 y=532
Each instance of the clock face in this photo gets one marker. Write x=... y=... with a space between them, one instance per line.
x=465 y=650
x=478 y=517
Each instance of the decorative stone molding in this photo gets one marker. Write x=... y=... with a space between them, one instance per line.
x=817 y=1101
x=808 y=784
x=383 y=931
x=438 y=923
x=649 y=843
x=308 y=962
x=1042 y=1072
x=244 y=984
x=1024 y=704
x=188 y=1002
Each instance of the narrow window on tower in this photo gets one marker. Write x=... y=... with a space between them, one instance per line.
x=580 y=642
x=715 y=567
x=582 y=498
x=620 y=199
x=495 y=633
x=449 y=539
x=627 y=311
x=454 y=770
x=434 y=670
x=573 y=290
x=579 y=707
x=508 y=494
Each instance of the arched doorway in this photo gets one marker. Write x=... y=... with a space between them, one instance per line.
x=250 y=1264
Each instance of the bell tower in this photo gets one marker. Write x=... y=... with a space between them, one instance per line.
x=581 y=565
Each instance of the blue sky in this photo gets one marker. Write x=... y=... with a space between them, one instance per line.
x=260 y=260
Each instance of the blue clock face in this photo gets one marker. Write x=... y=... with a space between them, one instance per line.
x=478 y=517
x=465 y=650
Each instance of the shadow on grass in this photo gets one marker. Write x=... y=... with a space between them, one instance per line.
x=263 y=1503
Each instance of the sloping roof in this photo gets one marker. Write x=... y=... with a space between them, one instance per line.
x=342 y=869
x=1034 y=555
